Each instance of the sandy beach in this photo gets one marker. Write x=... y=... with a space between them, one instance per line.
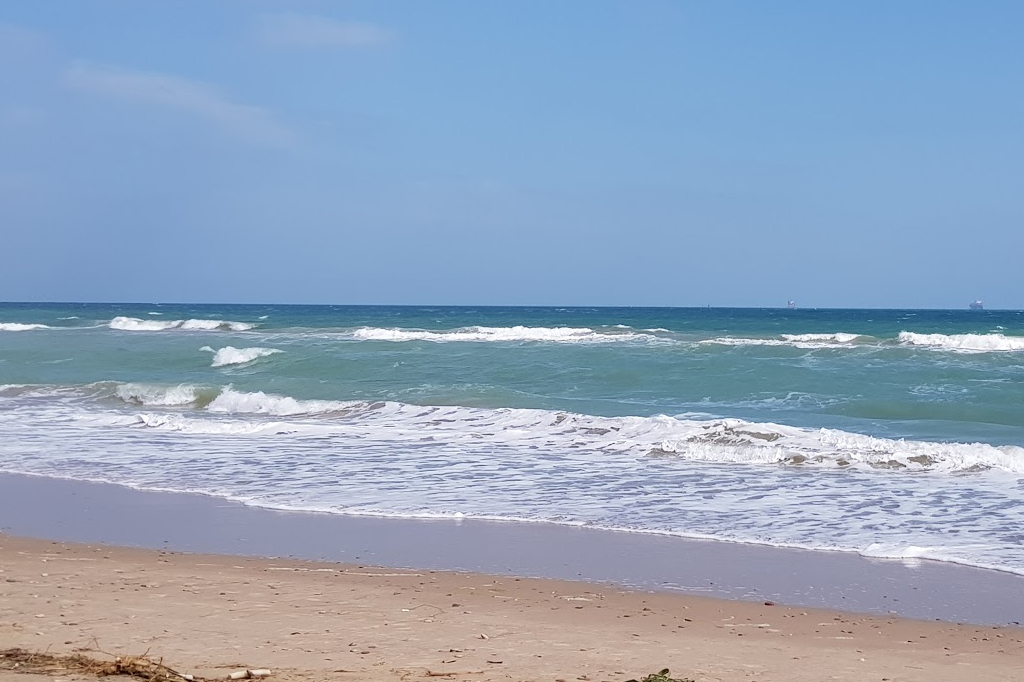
x=210 y=615
x=328 y=615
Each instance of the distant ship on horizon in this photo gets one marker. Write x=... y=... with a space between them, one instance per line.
x=976 y=304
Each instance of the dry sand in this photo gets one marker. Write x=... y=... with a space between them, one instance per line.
x=210 y=615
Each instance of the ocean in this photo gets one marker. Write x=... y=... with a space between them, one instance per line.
x=888 y=433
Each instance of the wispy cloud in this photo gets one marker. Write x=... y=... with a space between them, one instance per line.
x=307 y=30
x=201 y=100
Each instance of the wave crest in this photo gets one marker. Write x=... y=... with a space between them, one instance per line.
x=804 y=341
x=723 y=441
x=21 y=327
x=964 y=343
x=837 y=337
x=498 y=334
x=737 y=441
x=235 y=402
x=148 y=394
x=229 y=355
x=134 y=324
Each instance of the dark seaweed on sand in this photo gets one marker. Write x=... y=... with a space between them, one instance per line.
x=661 y=676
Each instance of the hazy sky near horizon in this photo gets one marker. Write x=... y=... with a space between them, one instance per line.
x=580 y=152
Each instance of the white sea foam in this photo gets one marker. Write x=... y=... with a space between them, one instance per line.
x=211 y=325
x=896 y=551
x=731 y=441
x=135 y=324
x=500 y=334
x=229 y=355
x=964 y=555
x=755 y=482
x=744 y=442
x=804 y=341
x=838 y=337
x=21 y=327
x=964 y=343
x=149 y=394
x=206 y=427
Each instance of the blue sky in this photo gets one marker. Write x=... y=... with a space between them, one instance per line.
x=648 y=152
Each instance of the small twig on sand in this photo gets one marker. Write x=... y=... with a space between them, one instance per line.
x=431 y=673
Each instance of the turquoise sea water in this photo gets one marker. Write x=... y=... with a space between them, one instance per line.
x=889 y=433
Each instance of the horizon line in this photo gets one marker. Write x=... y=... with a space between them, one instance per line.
x=498 y=305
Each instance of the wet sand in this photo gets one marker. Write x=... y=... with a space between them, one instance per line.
x=101 y=513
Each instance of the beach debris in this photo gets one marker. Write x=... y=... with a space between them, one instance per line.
x=141 y=667
x=433 y=673
x=661 y=676
x=250 y=674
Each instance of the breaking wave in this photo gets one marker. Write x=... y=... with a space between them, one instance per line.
x=21 y=327
x=229 y=355
x=134 y=324
x=731 y=441
x=231 y=401
x=148 y=394
x=838 y=337
x=805 y=341
x=744 y=442
x=964 y=343
x=498 y=334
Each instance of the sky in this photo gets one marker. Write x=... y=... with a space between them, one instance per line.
x=513 y=152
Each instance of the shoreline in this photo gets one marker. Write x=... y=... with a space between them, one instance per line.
x=74 y=511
